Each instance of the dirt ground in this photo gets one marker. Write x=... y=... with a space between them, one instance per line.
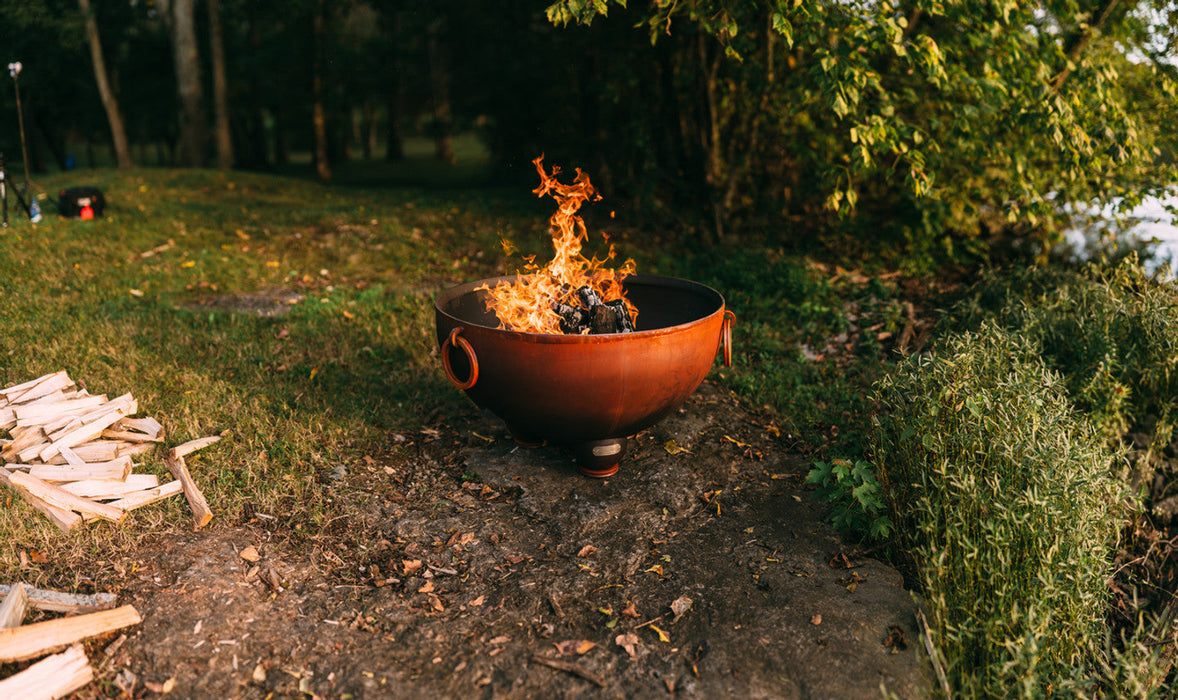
x=483 y=569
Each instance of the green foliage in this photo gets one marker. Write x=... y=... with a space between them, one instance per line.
x=921 y=124
x=854 y=495
x=1111 y=333
x=1002 y=495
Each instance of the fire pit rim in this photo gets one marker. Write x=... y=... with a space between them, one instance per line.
x=460 y=290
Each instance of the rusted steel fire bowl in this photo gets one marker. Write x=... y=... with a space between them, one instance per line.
x=587 y=391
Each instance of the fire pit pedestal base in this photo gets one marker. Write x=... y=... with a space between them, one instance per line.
x=600 y=458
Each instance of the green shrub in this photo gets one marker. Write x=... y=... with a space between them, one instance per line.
x=1112 y=334
x=1002 y=495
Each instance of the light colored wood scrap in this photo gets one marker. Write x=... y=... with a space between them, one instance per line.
x=127 y=449
x=58 y=601
x=71 y=457
x=65 y=520
x=95 y=451
x=100 y=489
x=12 y=610
x=201 y=513
x=146 y=425
x=118 y=468
x=84 y=433
x=64 y=499
x=30 y=641
x=40 y=413
x=129 y=436
x=23 y=439
x=37 y=388
x=138 y=499
x=191 y=446
x=53 y=677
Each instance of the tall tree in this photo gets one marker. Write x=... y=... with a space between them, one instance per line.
x=109 y=101
x=222 y=135
x=180 y=23
x=318 y=108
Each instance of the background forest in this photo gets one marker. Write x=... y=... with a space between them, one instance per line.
x=928 y=131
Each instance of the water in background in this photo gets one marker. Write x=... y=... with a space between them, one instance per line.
x=1149 y=226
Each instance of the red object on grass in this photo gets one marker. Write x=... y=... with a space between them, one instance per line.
x=86 y=213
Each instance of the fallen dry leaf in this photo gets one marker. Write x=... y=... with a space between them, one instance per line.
x=477 y=602
x=411 y=566
x=673 y=448
x=628 y=641
x=662 y=635
x=680 y=606
x=573 y=647
x=816 y=620
x=631 y=611
x=250 y=554
x=427 y=588
x=587 y=551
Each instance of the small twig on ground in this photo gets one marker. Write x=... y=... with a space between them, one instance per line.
x=570 y=667
x=927 y=638
x=649 y=622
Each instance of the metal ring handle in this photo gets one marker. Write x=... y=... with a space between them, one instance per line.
x=726 y=336
x=451 y=341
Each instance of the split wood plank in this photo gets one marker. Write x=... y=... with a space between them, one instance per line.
x=194 y=445
x=129 y=436
x=65 y=520
x=133 y=449
x=118 y=469
x=98 y=451
x=42 y=386
x=64 y=499
x=201 y=513
x=40 y=638
x=40 y=412
x=50 y=678
x=68 y=437
x=138 y=499
x=71 y=457
x=57 y=601
x=12 y=610
x=23 y=439
x=100 y=489
x=147 y=425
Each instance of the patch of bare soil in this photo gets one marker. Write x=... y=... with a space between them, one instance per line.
x=482 y=569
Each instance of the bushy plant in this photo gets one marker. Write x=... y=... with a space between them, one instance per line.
x=1111 y=333
x=854 y=495
x=1002 y=495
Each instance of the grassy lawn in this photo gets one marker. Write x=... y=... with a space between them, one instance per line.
x=153 y=300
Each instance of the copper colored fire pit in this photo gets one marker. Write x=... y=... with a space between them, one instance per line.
x=591 y=392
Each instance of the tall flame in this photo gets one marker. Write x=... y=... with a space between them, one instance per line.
x=528 y=303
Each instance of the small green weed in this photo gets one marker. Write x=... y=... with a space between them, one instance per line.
x=854 y=495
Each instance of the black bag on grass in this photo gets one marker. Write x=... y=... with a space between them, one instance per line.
x=81 y=203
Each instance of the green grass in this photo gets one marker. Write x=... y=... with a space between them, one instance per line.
x=326 y=384
x=123 y=304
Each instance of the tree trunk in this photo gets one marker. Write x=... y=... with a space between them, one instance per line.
x=180 y=22
x=109 y=103
x=439 y=74
x=395 y=131
x=223 y=137
x=318 y=112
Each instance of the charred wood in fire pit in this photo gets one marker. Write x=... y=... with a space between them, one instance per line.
x=594 y=316
x=602 y=319
x=571 y=319
x=589 y=298
x=624 y=323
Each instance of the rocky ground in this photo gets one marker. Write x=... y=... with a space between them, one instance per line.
x=702 y=569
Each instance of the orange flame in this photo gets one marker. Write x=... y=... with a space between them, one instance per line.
x=527 y=304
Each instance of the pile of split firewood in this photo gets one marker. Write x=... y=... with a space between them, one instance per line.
x=69 y=453
x=60 y=674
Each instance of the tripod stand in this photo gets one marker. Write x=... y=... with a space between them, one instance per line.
x=4 y=196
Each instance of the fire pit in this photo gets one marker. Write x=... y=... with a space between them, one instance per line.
x=590 y=392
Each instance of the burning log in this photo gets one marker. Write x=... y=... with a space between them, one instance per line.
x=594 y=315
